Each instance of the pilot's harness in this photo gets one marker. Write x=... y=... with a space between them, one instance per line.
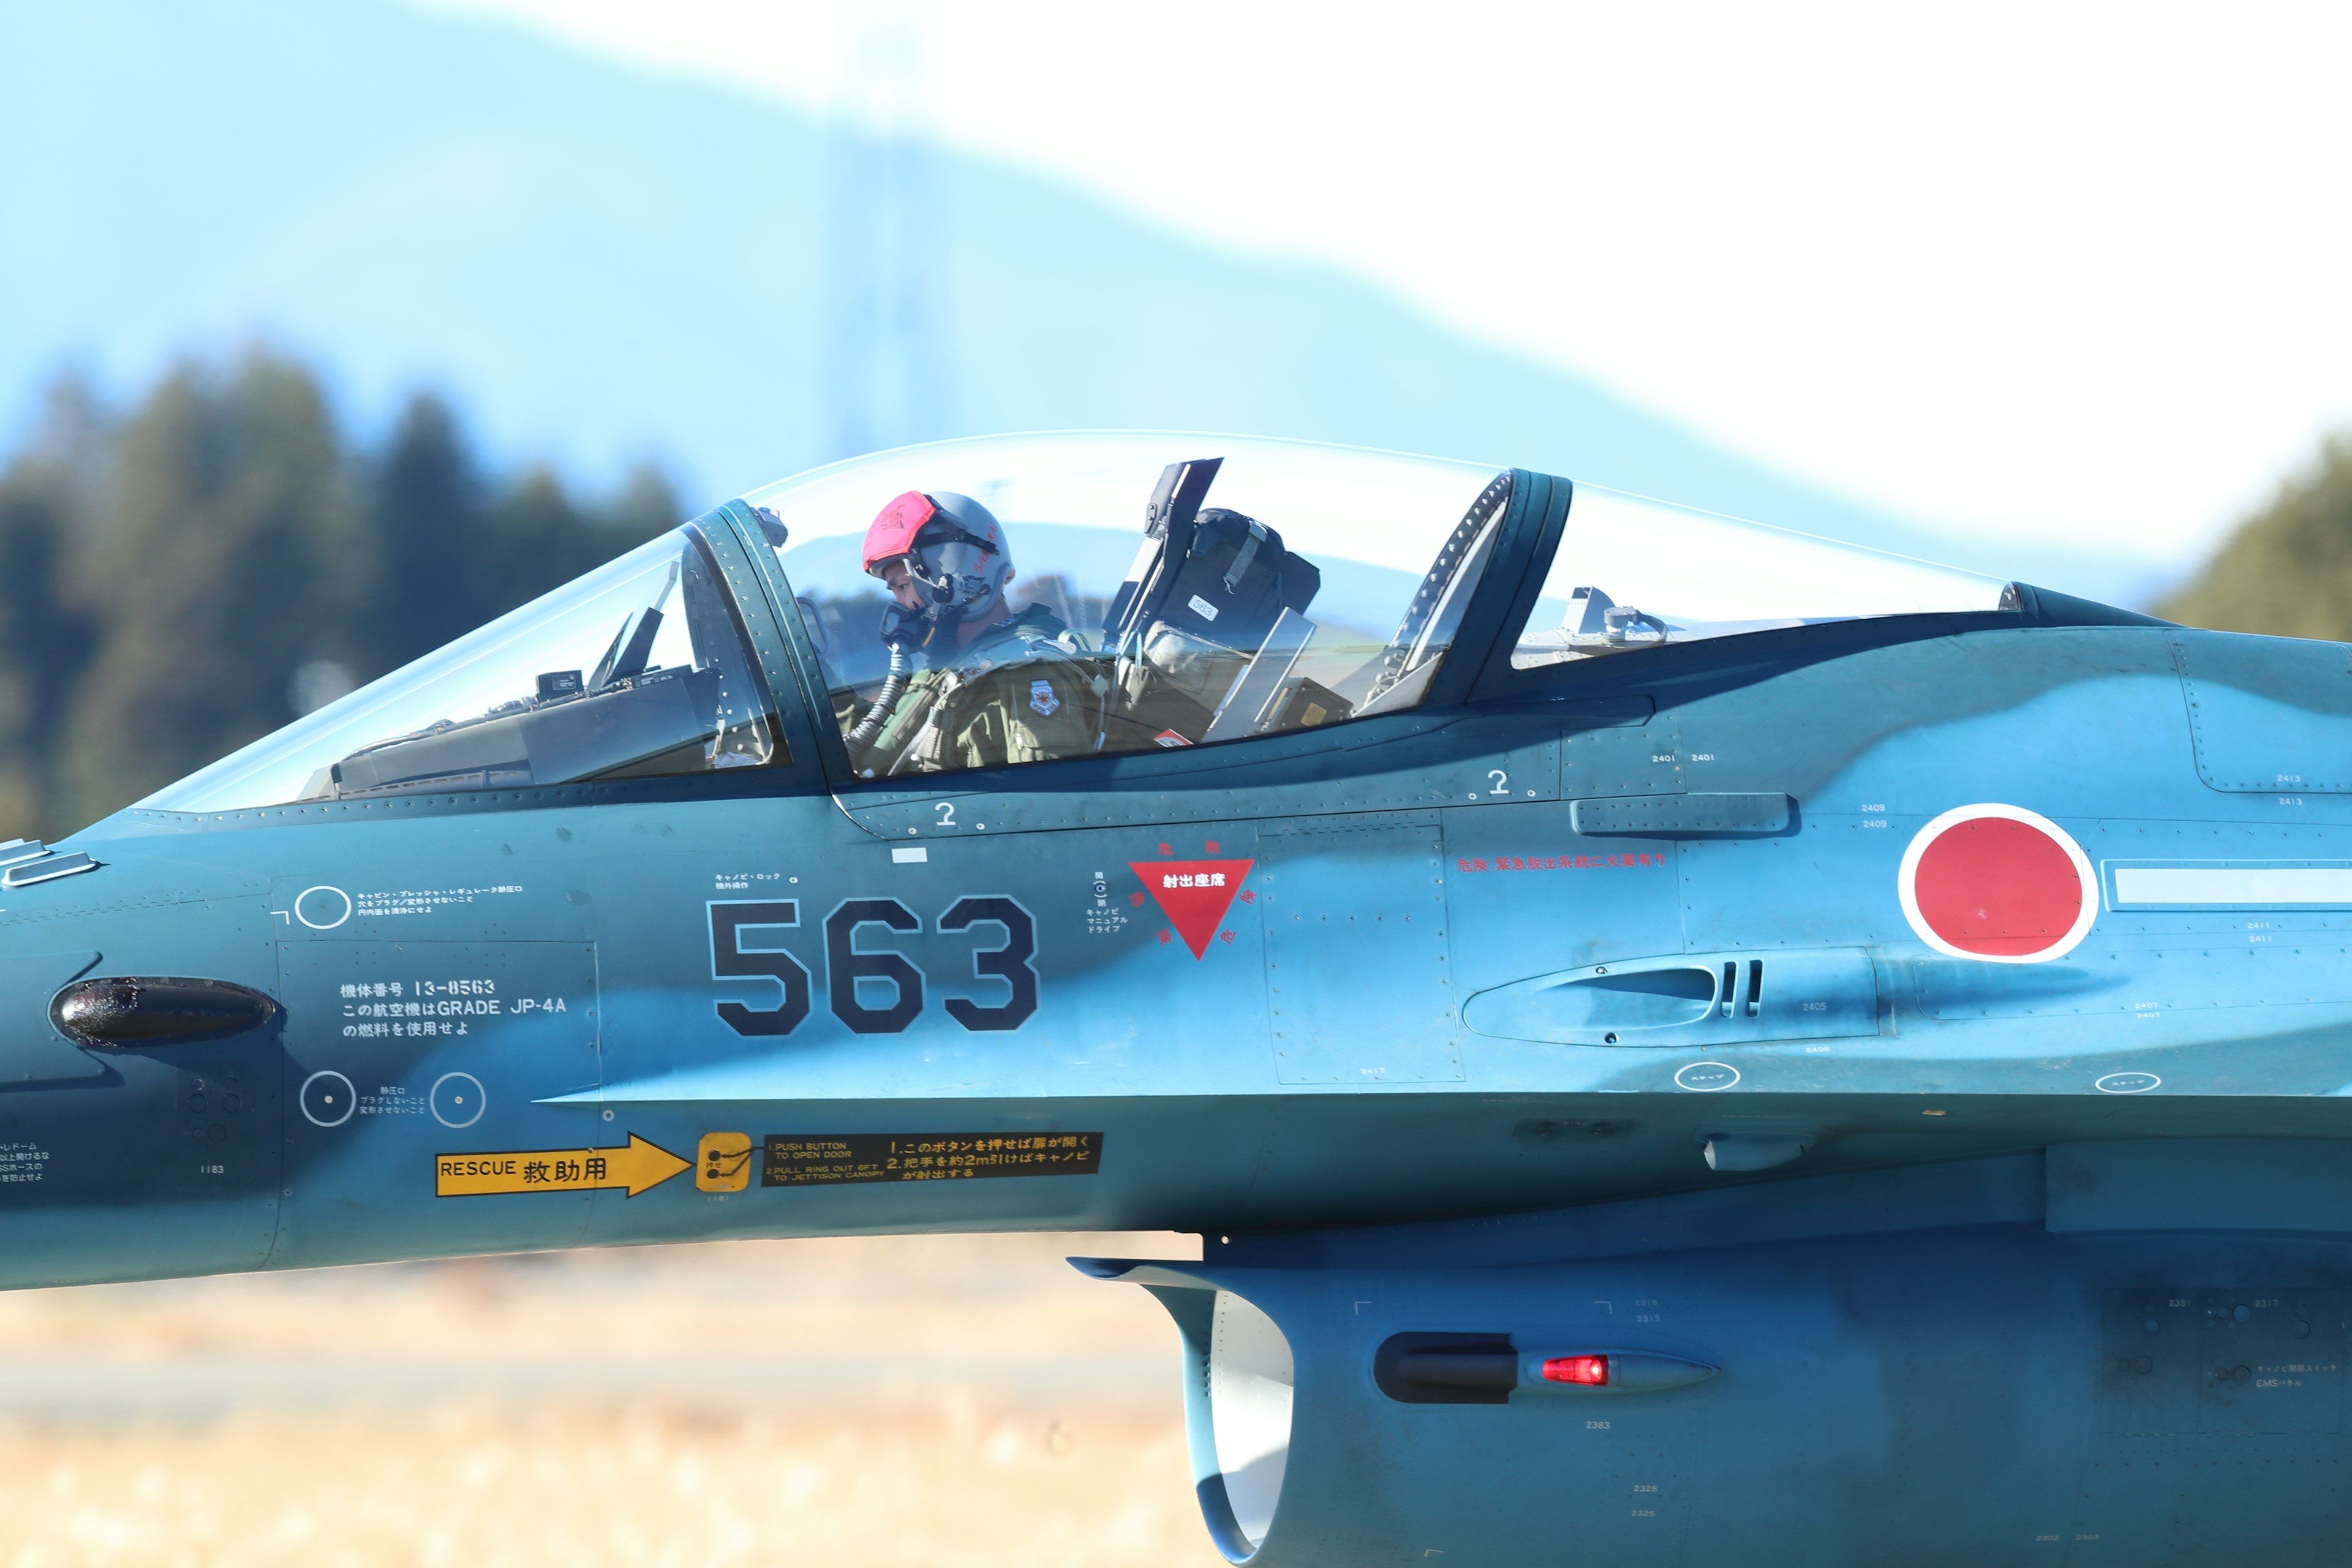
x=925 y=747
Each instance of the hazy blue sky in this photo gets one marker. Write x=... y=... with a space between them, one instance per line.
x=2001 y=268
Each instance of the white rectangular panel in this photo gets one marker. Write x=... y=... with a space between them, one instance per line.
x=2231 y=886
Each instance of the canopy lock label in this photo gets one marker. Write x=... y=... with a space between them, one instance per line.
x=827 y=1159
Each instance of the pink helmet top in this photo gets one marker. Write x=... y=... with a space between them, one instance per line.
x=892 y=532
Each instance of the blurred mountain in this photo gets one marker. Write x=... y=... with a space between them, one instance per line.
x=2287 y=570
x=603 y=266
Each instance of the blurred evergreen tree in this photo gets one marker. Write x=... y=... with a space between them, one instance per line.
x=452 y=556
x=225 y=555
x=221 y=560
x=2287 y=570
x=426 y=512
x=47 y=493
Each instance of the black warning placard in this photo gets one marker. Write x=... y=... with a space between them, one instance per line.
x=840 y=1159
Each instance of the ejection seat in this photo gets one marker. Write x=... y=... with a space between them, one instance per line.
x=1206 y=629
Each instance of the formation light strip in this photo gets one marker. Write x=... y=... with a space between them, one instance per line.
x=2229 y=884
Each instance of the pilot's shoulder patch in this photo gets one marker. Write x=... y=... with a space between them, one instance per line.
x=1042 y=699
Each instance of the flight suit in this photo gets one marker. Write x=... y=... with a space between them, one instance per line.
x=1018 y=694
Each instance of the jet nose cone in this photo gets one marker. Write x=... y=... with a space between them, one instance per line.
x=122 y=1010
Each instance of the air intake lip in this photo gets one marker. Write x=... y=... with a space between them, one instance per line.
x=118 y=1011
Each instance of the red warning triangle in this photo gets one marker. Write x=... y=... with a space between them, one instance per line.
x=1194 y=894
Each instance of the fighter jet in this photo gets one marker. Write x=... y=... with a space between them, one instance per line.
x=1684 y=1042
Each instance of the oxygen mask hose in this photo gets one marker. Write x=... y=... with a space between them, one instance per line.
x=902 y=631
x=894 y=686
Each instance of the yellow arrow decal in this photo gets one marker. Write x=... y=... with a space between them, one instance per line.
x=635 y=1168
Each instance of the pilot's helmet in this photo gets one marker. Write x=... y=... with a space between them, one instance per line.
x=953 y=547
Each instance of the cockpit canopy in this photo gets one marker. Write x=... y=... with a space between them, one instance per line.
x=1165 y=592
x=1631 y=572
x=637 y=670
x=1180 y=591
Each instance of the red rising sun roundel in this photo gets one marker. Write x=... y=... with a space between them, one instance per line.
x=1999 y=884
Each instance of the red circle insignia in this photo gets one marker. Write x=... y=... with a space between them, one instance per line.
x=1998 y=883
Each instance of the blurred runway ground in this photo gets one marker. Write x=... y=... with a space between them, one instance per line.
x=936 y=1401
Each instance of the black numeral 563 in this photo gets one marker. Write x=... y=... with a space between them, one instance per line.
x=848 y=969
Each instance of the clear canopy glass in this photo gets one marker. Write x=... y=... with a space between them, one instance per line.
x=1150 y=591
x=637 y=669
x=1311 y=585
x=1632 y=573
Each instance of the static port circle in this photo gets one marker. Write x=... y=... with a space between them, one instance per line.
x=2127 y=1083
x=306 y=905
x=457 y=1099
x=327 y=1098
x=1707 y=1078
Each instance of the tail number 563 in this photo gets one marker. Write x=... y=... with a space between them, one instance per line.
x=874 y=990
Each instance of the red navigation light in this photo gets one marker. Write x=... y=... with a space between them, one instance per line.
x=1590 y=1369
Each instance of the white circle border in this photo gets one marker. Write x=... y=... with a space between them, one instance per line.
x=301 y=1096
x=322 y=888
x=1907 y=882
x=1710 y=1088
x=2153 y=1082
x=481 y=1099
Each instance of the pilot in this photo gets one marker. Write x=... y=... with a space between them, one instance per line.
x=998 y=686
